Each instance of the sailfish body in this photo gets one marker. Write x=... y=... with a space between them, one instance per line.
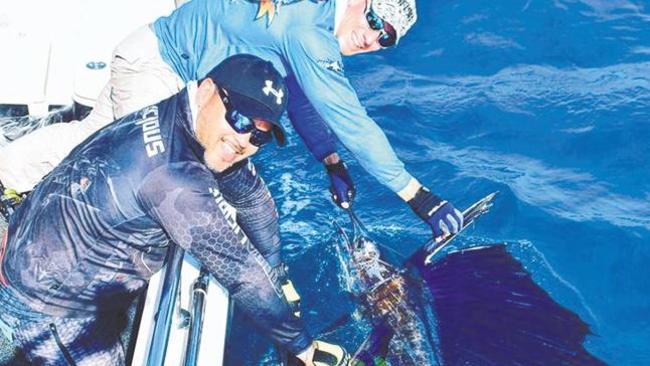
x=400 y=335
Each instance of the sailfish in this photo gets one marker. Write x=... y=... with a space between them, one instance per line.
x=474 y=306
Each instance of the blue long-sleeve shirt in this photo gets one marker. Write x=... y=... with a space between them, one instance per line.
x=300 y=43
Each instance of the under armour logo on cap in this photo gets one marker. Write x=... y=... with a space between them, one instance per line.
x=268 y=89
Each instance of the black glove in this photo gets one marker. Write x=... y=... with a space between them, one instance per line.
x=441 y=215
x=341 y=185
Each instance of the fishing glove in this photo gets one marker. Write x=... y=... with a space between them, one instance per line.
x=341 y=186
x=441 y=215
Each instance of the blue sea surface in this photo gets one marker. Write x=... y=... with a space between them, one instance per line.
x=546 y=102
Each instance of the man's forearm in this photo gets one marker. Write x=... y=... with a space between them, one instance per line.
x=408 y=192
x=332 y=158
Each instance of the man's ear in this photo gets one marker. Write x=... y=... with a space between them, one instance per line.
x=204 y=92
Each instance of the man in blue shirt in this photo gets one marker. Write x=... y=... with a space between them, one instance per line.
x=85 y=242
x=303 y=39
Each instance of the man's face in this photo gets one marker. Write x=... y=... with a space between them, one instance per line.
x=223 y=145
x=354 y=33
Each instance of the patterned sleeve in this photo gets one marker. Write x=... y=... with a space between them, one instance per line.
x=185 y=200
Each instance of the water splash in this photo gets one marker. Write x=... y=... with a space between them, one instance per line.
x=399 y=335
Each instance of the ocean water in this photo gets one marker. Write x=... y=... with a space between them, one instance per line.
x=546 y=102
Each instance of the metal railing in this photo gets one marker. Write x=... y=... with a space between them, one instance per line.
x=165 y=315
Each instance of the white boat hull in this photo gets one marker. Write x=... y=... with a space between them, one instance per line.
x=215 y=324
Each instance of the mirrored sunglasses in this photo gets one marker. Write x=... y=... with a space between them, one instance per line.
x=387 y=34
x=242 y=124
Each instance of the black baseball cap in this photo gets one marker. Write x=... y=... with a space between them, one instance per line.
x=255 y=89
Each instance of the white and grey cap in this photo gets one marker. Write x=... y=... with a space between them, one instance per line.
x=401 y=14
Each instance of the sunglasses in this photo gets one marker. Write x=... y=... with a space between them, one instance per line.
x=387 y=36
x=242 y=124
